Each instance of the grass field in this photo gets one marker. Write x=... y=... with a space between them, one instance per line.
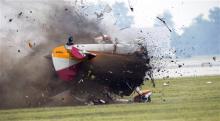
x=185 y=99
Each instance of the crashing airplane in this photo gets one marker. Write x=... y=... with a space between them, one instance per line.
x=119 y=68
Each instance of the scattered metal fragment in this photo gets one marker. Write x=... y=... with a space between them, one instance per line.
x=165 y=84
x=10 y=20
x=206 y=64
x=107 y=9
x=214 y=58
x=122 y=100
x=42 y=94
x=124 y=28
x=179 y=66
x=99 y=15
x=143 y=96
x=102 y=101
x=20 y=14
x=80 y=81
x=130 y=6
x=30 y=45
x=93 y=77
x=164 y=22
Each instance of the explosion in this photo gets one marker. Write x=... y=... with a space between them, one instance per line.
x=28 y=35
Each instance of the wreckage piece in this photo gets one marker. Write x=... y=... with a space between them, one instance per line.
x=130 y=6
x=66 y=59
x=120 y=67
x=145 y=96
x=64 y=63
x=103 y=39
x=122 y=49
x=164 y=22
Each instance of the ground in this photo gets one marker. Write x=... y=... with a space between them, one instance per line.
x=183 y=99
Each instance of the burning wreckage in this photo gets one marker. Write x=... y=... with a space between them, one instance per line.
x=99 y=73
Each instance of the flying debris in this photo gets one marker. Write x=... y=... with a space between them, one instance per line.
x=130 y=6
x=179 y=66
x=214 y=58
x=107 y=9
x=20 y=14
x=124 y=28
x=30 y=45
x=164 y=22
x=10 y=20
x=102 y=39
x=99 y=15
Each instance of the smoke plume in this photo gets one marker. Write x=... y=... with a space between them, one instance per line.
x=29 y=31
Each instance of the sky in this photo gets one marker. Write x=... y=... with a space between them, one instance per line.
x=183 y=11
x=194 y=23
x=145 y=11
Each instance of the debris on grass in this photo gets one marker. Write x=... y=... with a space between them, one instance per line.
x=165 y=84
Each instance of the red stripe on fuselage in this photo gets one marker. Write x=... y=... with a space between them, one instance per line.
x=68 y=74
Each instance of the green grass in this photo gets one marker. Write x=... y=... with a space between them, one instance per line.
x=185 y=99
